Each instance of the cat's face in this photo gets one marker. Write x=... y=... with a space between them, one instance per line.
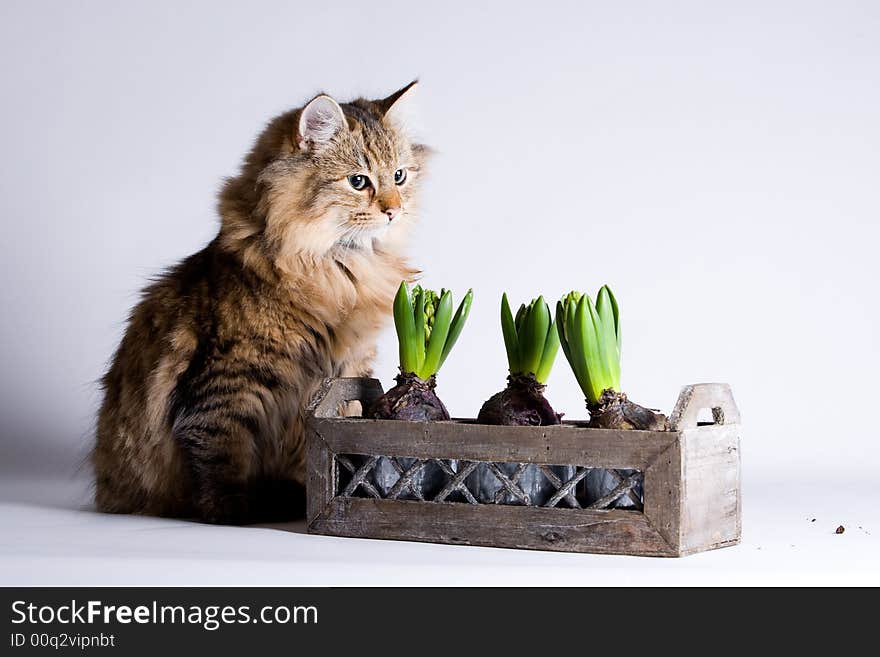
x=351 y=179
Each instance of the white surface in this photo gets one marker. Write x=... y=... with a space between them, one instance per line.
x=716 y=164
x=47 y=539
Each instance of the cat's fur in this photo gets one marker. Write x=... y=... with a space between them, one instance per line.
x=203 y=407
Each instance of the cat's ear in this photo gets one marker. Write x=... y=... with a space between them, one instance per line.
x=319 y=121
x=399 y=109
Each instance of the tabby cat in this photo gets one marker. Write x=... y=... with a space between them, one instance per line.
x=203 y=403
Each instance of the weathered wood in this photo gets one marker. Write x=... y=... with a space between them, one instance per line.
x=359 y=478
x=563 y=488
x=624 y=485
x=566 y=530
x=457 y=482
x=629 y=490
x=711 y=505
x=662 y=486
x=552 y=445
x=405 y=480
x=320 y=476
x=691 y=479
x=334 y=392
x=509 y=485
x=694 y=398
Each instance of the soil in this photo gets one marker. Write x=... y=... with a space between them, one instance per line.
x=521 y=403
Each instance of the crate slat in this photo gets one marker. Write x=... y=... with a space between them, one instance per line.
x=565 y=530
x=556 y=445
x=663 y=494
x=710 y=488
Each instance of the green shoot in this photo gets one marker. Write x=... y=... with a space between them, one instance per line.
x=426 y=328
x=590 y=339
x=531 y=339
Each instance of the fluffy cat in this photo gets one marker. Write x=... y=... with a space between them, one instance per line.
x=203 y=403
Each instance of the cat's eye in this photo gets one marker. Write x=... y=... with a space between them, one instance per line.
x=359 y=181
x=399 y=176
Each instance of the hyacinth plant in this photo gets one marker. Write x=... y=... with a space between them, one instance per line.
x=532 y=342
x=590 y=339
x=427 y=330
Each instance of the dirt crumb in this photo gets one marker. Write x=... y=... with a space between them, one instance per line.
x=840 y=529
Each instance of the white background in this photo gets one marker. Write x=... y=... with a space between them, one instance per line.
x=717 y=165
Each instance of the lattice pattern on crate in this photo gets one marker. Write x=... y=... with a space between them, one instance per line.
x=478 y=482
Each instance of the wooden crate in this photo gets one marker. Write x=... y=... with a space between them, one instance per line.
x=690 y=477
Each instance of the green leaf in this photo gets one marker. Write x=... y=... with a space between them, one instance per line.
x=577 y=358
x=606 y=348
x=560 y=330
x=533 y=336
x=548 y=356
x=442 y=321
x=419 y=316
x=508 y=328
x=578 y=341
x=608 y=335
x=461 y=315
x=615 y=310
x=570 y=313
x=524 y=338
x=520 y=318
x=406 y=330
x=576 y=345
x=596 y=367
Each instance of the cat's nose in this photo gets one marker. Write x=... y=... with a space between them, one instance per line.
x=391 y=213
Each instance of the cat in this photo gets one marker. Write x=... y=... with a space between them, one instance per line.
x=202 y=414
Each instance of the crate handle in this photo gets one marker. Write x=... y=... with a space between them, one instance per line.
x=696 y=397
x=334 y=392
